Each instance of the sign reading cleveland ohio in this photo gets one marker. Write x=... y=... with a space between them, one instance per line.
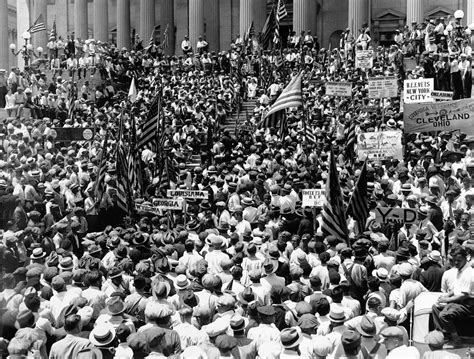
x=439 y=116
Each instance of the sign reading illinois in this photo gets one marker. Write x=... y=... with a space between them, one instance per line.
x=418 y=90
x=339 y=88
x=439 y=116
x=383 y=87
x=313 y=197
x=380 y=145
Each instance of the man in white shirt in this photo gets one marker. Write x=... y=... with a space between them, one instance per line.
x=458 y=303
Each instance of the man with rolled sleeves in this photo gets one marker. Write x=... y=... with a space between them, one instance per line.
x=458 y=303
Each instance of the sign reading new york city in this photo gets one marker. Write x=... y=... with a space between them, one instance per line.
x=418 y=90
x=439 y=116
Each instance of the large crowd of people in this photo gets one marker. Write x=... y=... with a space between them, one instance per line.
x=248 y=272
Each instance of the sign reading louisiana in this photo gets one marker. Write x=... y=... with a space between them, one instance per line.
x=439 y=116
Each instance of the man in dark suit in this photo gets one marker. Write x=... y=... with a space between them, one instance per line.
x=20 y=219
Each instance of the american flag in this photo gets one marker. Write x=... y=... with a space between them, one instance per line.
x=280 y=14
x=150 y=126
x=133 y=159
x=291 y=96
x=99 y=187
x=122 y=182
x=168 y=172
x=249 y=33
x=151 y=42
x=350 y=137
x=71 y=107
x=165 y=43
x=38 y=25
x=333 y=217
x=358 y=204
x=268 y=29
x=53 y=34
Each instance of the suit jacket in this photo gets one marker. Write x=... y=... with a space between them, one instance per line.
x=20 y=218
x=68 y=347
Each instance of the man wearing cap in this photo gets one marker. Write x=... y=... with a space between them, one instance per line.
x=392 y=338
x=435 y=341
x=459 y=303
x=247 y=347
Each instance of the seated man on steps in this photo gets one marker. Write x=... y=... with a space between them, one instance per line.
x=459 y=303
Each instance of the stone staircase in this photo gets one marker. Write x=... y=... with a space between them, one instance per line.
x=239 y=116
x=194 y=161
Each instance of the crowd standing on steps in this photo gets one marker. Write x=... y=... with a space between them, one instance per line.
x=248 y=272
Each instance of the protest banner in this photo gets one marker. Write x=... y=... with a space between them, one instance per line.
x=439 y=96
x=380 y=145
x=72 y=133
x=247 y=128
x=160 y=204
x=339 y=88
x=395 y=215
x=383 y=87
x=187 y=194
x=418 y=90
x=364 y=59
x=313 y=197
x=370 y=108
x=439 y=116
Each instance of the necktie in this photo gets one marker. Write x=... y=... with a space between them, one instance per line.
x=451 y=215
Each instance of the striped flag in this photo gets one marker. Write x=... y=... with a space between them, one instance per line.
x=333 y=218
x=151 y=42
x=291 y=96
x=122 y=182
x=280 y=14
x=38 y=25
x=133 y=159
x=350 y=137
x=165 y=43
x=71 y=108
x=268 y=29
x=150 y=126
x=358 y=204
x=53 y=34
x=250 y=32
x=99 y=187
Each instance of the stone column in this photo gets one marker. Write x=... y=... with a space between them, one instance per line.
x=259 y=15
x=211 y=21
x=123 y=24
x=23 y=24
x=167 y=20
x=301 y=14
x=41 y=38
x=80 y=19
x=101 y=20
x=196 y=21
x=246 y=16
x=4 y=45
x=415 y=11
x=357 y=15
x=147 y=20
